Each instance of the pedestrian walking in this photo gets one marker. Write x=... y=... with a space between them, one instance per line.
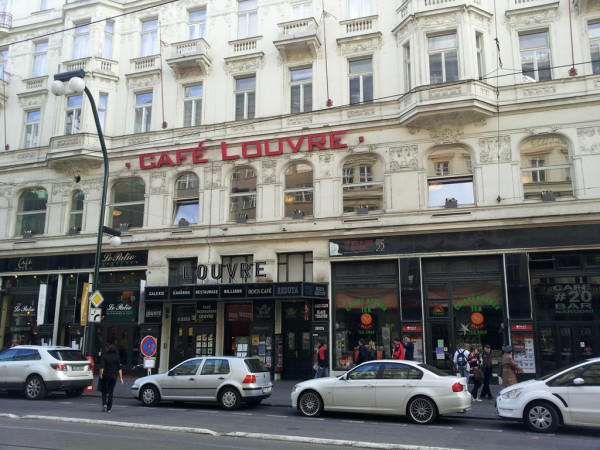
x=323 y=360
x=110 y=369
x=486 y=366
x=509 y=368
x=409 y=349
x=398 y=352
x=461 y=358
x=363 y=352
x=475 y=373
x=372 y=350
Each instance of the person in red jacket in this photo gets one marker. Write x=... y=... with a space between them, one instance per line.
x=398 y=352
x=323 y=364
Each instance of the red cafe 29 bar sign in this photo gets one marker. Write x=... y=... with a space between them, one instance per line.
x=249 y=149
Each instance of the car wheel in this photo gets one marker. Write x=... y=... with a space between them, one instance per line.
x=149 y=396
x=310 y=404
x=422 y=410
x=229 y=398
x=541 y=417
x=74 y=392
x=35 y=388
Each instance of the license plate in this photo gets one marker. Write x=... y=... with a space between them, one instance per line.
x=77 y=368
x=266 y=390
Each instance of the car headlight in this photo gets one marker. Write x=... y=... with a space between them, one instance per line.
x=513 y=394
x=295 y=388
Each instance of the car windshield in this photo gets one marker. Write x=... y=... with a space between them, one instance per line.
x=67 y=355
x=434 y=370
x=255 y=365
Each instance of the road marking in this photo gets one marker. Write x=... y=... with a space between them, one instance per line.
x=280 y=417
x=353 y=421
x=440 y=427
x=487 y=429
x=66 y=403
x=176 y=409
x=242 y=414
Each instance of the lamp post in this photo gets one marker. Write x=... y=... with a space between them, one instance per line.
x=77 y=86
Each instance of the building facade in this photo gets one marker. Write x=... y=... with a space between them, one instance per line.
x=289 y=170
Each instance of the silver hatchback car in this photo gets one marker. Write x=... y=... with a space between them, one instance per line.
x=36 y=370
x=227 y=380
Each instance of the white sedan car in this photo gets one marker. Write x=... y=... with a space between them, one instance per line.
x=417 y=390
x=569 y=396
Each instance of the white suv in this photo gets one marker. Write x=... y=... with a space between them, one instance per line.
x=36 y=370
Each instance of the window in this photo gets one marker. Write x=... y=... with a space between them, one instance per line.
x=197 y=27
x=594 y=37
x=362 y=183
x=215 y=367
x=535 y=56
x=359 y=8
x=76 y=215
x=407 y=68
x=479 y=50
x=242 y=198
x=546 y=167
x=73 y=114
x=182 y=271
x=245 y=98
x=32 y=128
x=301 y=90
x=127 y=208
x=3 y=64
x=449 y=176
x=31 y=211
x=45 y=4
x=102 y=106
x=192 y=106
x=187 y=368
x=149 y=38
x=109 y=31
x=186 y=199
x=39 y=59
x=360 y=75
x=247 y=18
x=301 y=9
x=143 y=112
x=295 y=267
x=443 y=58
x=239 y=270
x=298 y=193
x=82 y=41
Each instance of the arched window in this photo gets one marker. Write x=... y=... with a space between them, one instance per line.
x=76 y=215
x=298 y=193
x=127 y=208
x=362 y=179
x=546 y=168
x=31 y=212
x=450 y=178
x=242 y=199
x=186 y=199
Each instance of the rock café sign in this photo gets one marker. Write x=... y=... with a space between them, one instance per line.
x=249 y=149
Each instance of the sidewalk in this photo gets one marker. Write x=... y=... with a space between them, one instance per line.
x=282 y=389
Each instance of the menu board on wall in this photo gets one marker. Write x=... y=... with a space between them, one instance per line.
x=523 y=351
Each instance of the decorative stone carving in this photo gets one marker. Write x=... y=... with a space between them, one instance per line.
x=324 y=164
x=138 y=140
x=158 y=182
x=301 y=120
x=361 y=113
x=269 y=171
x=404 y=158
x=537 y=18
x=37 y=99
x=212 y=175
x=142 y=81
x=250 y=64
x=539 y=90
x=68 y=142
x=369 y=45
x=445 y=92
x=494 y=149
x=242 y=128
x=589 y=139
x=446 y=133
x=77 y=166
x=61 y=188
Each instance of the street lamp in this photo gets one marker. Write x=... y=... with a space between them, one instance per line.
x=77 y=86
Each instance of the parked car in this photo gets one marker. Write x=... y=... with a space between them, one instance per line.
x=37 y=370
x=405 y=388
x=568 y=396
x=227 y=380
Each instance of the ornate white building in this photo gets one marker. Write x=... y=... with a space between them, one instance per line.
x=284 y=170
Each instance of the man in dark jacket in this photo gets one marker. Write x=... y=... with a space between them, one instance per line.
x=110 y=369
x=409 y=349
x=487 y=372
x=363 y=352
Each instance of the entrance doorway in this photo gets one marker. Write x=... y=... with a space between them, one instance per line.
x=297 y=347
x=562 y=344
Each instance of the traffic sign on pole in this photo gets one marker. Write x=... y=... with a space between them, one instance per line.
x=148 y=346
x=96 y=299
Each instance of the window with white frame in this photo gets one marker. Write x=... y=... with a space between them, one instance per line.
x=535 y=55
x=407 y=67
x=73 y=114
x=76 y=214
x=360 y=76
x=298 y=194
x=82 y=41
x=149 y=38
x=197 y=24
x=479 y=50
x=46 y=4
x=127 y=203
x=301 y=9
x=443 y=58
x=362 y=183
x=449 y=177
x=39 y=59
x=143 y=112
x=107 y=46
x=594 y=38
x=359 y=8
x=247 y=18
x=295 y=267
x=301 y=90
x=102 y=107
x=186 y=199
x=546 y=167
x=4 y=64
x=242 y=197
x=192 y=105
x=32 y=128
x=245 y=98
x=31 y=211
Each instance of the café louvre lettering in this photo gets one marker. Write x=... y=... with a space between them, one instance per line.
x=73 y=261
x=249 y=149
x=216 y=270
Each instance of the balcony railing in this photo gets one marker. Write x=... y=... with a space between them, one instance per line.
x=6 y=20
x=189 y=55
x=410 y=7
x=36 y=83
x=359 y=25
x=145 y=63
x=245 y=45
x=297 y=28
x=91 y=64
x=186 y=48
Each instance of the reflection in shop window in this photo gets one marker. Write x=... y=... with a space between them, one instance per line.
x=237 y=269
x=449 y=176
x=127 y=208
x=362 y=178
x=186 y=199
x=242 y=197
x=298 y=194
x=31 y=212
x=295 y=267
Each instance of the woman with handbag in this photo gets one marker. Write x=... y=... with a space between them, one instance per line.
x=476 y=374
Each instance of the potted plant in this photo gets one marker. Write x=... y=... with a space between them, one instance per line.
x=451 y=203
x=548 y=196
x=362 y=210
x=183 y=223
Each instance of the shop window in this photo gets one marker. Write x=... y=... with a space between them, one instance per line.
x=298 y=192
x=187 y=202
x=410 y=285
x=182 y=271
x=236 y=269
x=242 y=197
x=449 y=177
x=76 y=214
x=31 y=212
x=546 y=168
x=127 y=203
x=443 y=58
x=566 y=298
x=362 y=178
x=535 y=56
x=295 y=267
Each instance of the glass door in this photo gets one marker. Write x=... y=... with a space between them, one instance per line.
x=440 y=346
x=566 y=343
